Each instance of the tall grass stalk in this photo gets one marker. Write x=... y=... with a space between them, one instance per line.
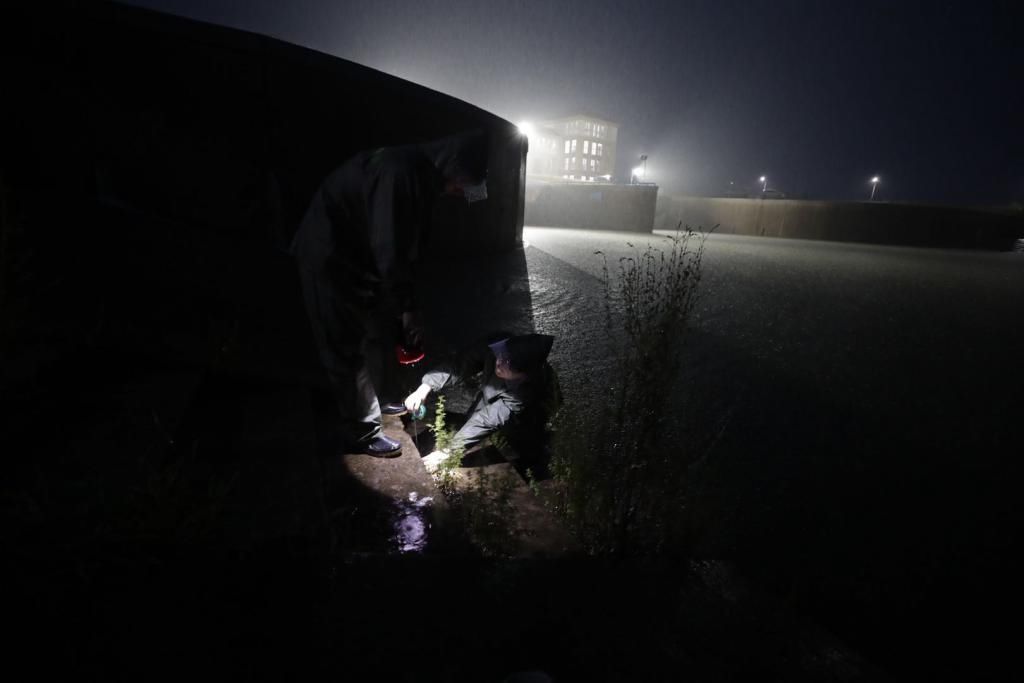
x=623 y=452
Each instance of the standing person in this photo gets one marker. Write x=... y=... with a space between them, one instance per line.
x=356 y=249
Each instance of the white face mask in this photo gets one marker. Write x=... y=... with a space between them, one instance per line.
x=475 y=193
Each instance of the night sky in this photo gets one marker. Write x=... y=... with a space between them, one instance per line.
x=817 y=95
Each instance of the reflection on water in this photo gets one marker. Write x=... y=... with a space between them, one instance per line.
x=410 y=524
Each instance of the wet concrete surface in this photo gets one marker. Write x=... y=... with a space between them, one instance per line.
x=384 y=505
x=867 y=470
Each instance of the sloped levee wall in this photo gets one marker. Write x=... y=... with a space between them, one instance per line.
x=591 y=206
x=227 y=130
x=871 y=222
x=155 y=169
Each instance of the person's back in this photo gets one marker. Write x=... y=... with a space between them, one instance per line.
x=369 y=215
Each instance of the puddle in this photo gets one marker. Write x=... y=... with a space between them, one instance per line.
x=412 y=524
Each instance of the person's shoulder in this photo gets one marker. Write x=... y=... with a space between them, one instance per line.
x=400 y=157
x=405 y=165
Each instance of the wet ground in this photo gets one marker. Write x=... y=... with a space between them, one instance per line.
x=869 y=467
x=181 y=504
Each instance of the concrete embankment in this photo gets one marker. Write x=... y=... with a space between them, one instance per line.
x=871 y=222
x=594 y=206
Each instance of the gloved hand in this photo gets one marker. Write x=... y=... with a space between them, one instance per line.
x=412 y=329
x=414 y=400
x=432 y=462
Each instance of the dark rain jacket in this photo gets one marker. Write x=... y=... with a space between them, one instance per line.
x=367 y=223
x=498 y=402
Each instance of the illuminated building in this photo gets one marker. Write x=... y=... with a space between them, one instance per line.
x=574 y=148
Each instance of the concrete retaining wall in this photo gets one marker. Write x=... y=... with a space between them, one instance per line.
x=591 y=205
x=874 y=222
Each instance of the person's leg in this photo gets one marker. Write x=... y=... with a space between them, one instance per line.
x=382 y=335
x=338 y=333
x=483 y=420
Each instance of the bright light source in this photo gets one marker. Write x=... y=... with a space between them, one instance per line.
x=525 y=128
x=638 y=171
x=607 y=176
x=762 y=179
x=875 y=179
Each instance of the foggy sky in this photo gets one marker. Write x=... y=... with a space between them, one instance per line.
x=817 y=95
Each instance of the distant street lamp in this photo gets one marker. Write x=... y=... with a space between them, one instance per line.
x=874 y=186
x=764 y=184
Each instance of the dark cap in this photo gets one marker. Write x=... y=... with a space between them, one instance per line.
x=525 y=352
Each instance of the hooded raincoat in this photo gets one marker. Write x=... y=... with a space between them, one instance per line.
x=502 y=403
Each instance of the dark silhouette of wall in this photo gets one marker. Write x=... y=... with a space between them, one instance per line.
x=592 y=206
x=159 y=166
x=229 y=130
x=874 y=222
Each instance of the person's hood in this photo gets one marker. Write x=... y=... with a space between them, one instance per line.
x=463 y=154
x=526 y=352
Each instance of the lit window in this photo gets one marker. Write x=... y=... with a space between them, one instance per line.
x=567 y=163
x=566 y=146
x=600 y=149
x=593 y=165
x=573 y=145
x=586 y=146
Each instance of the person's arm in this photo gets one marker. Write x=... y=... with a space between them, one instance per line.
x=487 y=419
x=450 y=374
x=394 y=234
x=435 y=380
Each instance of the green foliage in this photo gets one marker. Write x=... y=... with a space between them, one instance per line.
x=487 y=512
x=444 y=440
x=623 y=452
x=481 y=502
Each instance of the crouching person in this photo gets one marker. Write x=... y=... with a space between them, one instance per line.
x=517 y=389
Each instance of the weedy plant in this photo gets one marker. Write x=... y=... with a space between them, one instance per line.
x=482 y=503
x=444 y=440
x=623 y=452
